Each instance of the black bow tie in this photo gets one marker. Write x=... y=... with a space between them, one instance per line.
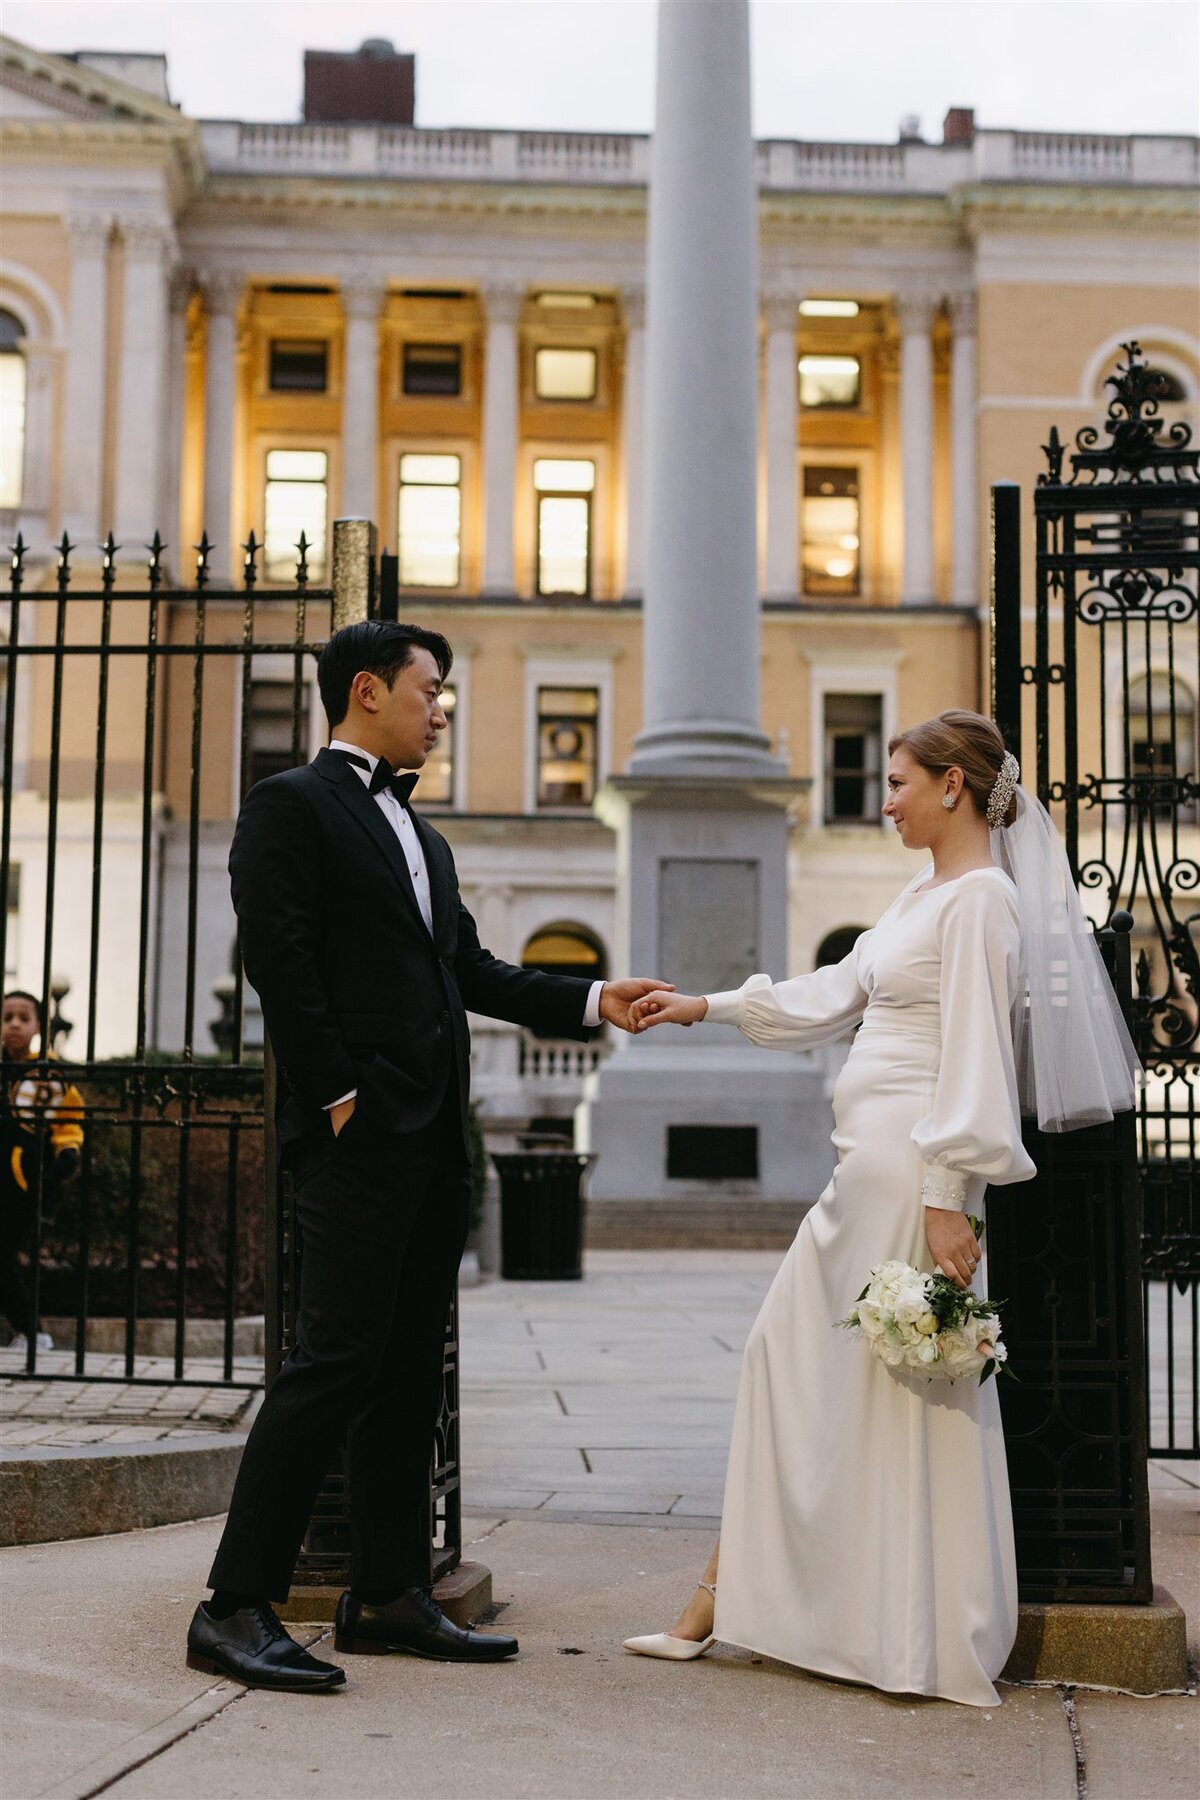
x=384 y=776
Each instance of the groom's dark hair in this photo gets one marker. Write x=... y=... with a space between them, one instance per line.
x=381 y=648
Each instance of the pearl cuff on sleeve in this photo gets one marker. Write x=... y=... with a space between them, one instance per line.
x=944 y=1188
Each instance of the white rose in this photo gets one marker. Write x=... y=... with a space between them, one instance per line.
x=927 y=1351
x=927 y=1324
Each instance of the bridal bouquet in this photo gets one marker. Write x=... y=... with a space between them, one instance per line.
x=927 y=1325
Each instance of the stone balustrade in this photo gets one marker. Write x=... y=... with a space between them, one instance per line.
x=610 y=159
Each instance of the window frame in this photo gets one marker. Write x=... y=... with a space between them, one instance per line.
x=873 y=673
x=299 y=393
x=408 y=343
x=870 y=587
x=467 y=452
x=414 y=587
x=589 y=497
x=591 y=399
x=832 y=408
x=856 y=593
x=829 y=774
x=566 y=671
x=330 y=447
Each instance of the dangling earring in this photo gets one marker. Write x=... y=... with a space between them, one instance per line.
x=948 y=802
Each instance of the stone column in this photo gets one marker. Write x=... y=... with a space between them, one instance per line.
x=179 y=296
x=83 y=432
x=142 y=443
x=502 y=301
x=633 y=409
x=39 y=442
x=964 y=588
x=362 y=299
x=782 y=406
x=916 y=447
x=222 y=293
x=701 y=627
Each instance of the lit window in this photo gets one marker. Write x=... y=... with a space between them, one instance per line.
x=12 y=410
x=830 y=548
x=564 y=374
x=296 y=500
x=299 y=365
x=830 y=381
x=430 y=520
x=1163 y=749
x=853 y=758
x=829 y=309
x=437 y=773
x=579 y=301
x=568 y=740
x=278 y=737
x=564 y=524
x=432 y=369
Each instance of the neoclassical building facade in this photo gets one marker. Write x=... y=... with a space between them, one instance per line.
x=229 y=327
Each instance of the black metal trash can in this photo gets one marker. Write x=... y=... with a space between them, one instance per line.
x=541 y=1214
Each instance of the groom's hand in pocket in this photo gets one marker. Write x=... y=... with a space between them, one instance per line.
x=618 y=998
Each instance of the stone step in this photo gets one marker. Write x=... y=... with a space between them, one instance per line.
x=734 y=1223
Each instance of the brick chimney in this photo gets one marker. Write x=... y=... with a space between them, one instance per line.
x=370 y=86
x=959 y=126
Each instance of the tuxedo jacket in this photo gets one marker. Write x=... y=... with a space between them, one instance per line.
x=356 y=992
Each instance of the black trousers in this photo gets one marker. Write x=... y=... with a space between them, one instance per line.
x=383 y=1221
x=18 y=1207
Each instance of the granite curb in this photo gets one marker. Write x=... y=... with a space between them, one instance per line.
x=50 y=1492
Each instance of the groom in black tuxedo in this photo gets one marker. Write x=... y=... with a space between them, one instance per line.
x=356 y=939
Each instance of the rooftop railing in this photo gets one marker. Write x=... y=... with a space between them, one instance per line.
x=385 y=152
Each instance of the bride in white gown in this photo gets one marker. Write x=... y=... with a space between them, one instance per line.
x=867 y=1532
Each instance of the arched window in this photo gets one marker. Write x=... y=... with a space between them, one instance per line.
x=837 y=945
x=12 y=409
x=1162 y=739
x=566 y=949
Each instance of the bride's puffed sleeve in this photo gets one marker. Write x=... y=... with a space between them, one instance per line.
x=799 y=1014
x=974 y=1126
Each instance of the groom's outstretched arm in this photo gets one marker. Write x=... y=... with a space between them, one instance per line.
x=557 y=1005
x=276 y=895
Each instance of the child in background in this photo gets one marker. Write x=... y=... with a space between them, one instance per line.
x=34 y=1102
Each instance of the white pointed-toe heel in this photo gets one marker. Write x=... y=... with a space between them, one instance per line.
x=672 y=1649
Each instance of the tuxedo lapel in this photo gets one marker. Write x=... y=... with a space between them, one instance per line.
x=361 y=805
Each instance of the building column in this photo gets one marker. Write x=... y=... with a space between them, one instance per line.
x=34 y=510
x=179 y=294
x=222 y=293
x=780 y=311
x=964 y=587
x=362 y=300
x=633 y=410
x=701 y=622
x=143 y=447
x=916 y=447
x=502 y=302
x=83 y=436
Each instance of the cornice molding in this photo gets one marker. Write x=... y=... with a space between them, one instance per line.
x=41 y=74
x=1041 y=207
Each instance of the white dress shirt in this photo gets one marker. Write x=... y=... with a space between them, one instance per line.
x=400 y=820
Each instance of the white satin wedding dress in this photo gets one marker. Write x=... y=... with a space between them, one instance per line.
x=867 y=1531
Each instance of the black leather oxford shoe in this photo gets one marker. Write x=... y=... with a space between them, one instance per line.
x=414 y=1626
x=252 y=1646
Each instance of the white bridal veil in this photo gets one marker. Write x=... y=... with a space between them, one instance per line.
x=1075 y=1059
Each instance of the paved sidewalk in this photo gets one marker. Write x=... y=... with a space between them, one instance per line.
x=595 y=1422
x=72 y=1414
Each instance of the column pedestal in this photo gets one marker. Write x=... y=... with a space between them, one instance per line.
x=703 y=1115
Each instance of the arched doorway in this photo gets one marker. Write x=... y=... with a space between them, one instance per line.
x=838 y=944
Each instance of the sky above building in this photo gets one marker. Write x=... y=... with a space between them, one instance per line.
x=827 y=69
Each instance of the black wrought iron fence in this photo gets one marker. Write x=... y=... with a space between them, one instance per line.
x=136 y=713
x=1115 y=687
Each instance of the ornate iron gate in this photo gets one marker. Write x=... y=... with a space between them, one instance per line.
x=135 y=715
x=1115 y=681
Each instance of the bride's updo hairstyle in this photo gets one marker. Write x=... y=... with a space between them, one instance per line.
x=960 y=740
